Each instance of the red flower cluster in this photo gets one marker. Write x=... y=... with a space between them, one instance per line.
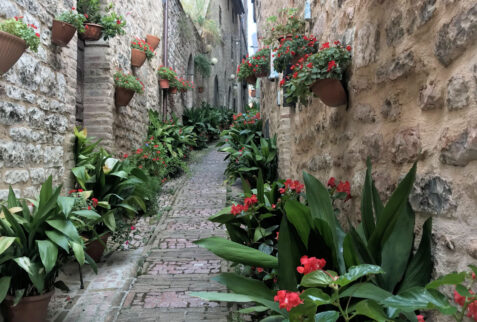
x=95 y=202
x=293 y=186
x=288 y=300
x=471 y=308
x=331 y=65
x=342 y=187
x=420 y=318
x=310 y=264
x=237 y=209
x=251 y=201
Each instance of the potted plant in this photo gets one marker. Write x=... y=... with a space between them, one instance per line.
x=37 y=238
x=261 y=63
x=293 y=25
x=245 y=71
x=322 y=73
x=290 y=51
x=15 y=37
x=97 y=25
x=65 y=26
x=202 y=65
x=140 y=50
x=126 y=85
x=166 y=75
x=153 y=41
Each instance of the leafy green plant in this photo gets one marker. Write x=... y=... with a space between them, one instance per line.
x=290 y=50
x=245 y=69
x=128 y=81
x=90 y=9
x=167 y=73
x=202 y=64
x=143 y=46
x=261 y=62
x=36 y=238
x=73 y=18
x=293 y=25
x=113 y=24
x=27 y=32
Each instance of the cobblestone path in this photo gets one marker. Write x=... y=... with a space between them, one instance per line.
x=173 y=265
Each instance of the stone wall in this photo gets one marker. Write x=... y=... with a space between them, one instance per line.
x=412 y=97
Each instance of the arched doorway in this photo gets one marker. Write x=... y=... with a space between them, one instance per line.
x=190 y=77
x=216 y=92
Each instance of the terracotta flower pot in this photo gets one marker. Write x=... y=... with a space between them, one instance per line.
x=30 y=308
x=95 y=249
x=201 y=89
x=164 y=83
x=173 y=90
x=138 y=57
x=11 y=49
x=62 y=33
x=330 y=91
x=253 y=93
x=153 y=41
x=92 y=32
x=289 y=37
x=261 y=74
x=123 y=96
x=251 y=79
x=183 y=90
x=281 y=38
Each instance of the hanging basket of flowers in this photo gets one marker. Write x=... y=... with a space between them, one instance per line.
x=290 y=52
x=15 y=37
x=107 y=25
x=65 y=26
x=261 y=63
x=140 y=51
x=166 y=75
x=322 y=74
x=126 y=86
x=153 y=41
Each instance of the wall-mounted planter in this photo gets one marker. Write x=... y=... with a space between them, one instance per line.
x=62 y=33
x=92 y=32
x=201 y=89
x=183 y=90
x=330 y=91
x=251 y=80
x=153 y=41
x=260 y=75
x=30 y=308
x=138 y=57
x=253 y=93
x=96 y=248
x=164 y=83
x=288 y=37
x=11 y=49
x=173 y=90
x=122 y=97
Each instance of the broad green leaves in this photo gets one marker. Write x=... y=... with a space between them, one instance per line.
x=6 y=242
x=48 y=254
x=4 y=285
x=357 y=272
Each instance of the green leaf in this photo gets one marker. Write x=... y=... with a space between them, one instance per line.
x=463 y=291
x=89 y=214
x=254 y=309
x=327 y=316
x=452 y=279
x=366 y=291
x=316 y=295
x=78 y=250
x=6 y=242
x=274 y=318
x=288 y=256
x=59 y=239
x=316 y=278
x=372 y=310
x=91 y=262
x=304 y=312
x=390 y=214
x=109 y=220
x=367 y=217
x=48 y=254
x=223 y=216
x=242 y=285
x=419 y=270
x=473 y=268
x=66 y=204
x=34 y=271
x=237 y=253
x=12 y=200
x=357 y=272
x=15 y=226
x=300 y=217
x=4 y=286
x=66 y=227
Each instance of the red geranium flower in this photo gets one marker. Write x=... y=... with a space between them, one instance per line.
x=288 y=300
x=331 y=182
x=310 y=264
x=331 y=65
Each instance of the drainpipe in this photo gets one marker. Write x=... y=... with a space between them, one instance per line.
x=164 y=54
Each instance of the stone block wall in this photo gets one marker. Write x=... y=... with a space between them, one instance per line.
x=412 y=97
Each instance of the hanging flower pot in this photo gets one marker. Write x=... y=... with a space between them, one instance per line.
x=11 y=49
x=30 y=308
x=138 y=57
x=252 y=79
x=95 y=249
x=201 y=89
x=173 y=90
x=123 y=96
x=330 y=91
x=62 y=33
x=261 y=74
x=164 y=83
x=92 y=32
x=153 y=41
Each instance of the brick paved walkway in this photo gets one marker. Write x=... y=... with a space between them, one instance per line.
x=173 y=265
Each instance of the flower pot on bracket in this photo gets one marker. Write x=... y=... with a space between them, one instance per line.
x=138 y=57
x=123 y=96
x=330 y=91
x=92 y=32
x=260 y=75
x=30 y=308
x=251 y=79
x=11 y=49
x=95 y=249
x=153 y=41
x=62 y=33
x=201 y=89
x=173 y=90
x=164 y=83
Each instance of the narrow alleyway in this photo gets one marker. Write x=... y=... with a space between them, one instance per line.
x=174 y=265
